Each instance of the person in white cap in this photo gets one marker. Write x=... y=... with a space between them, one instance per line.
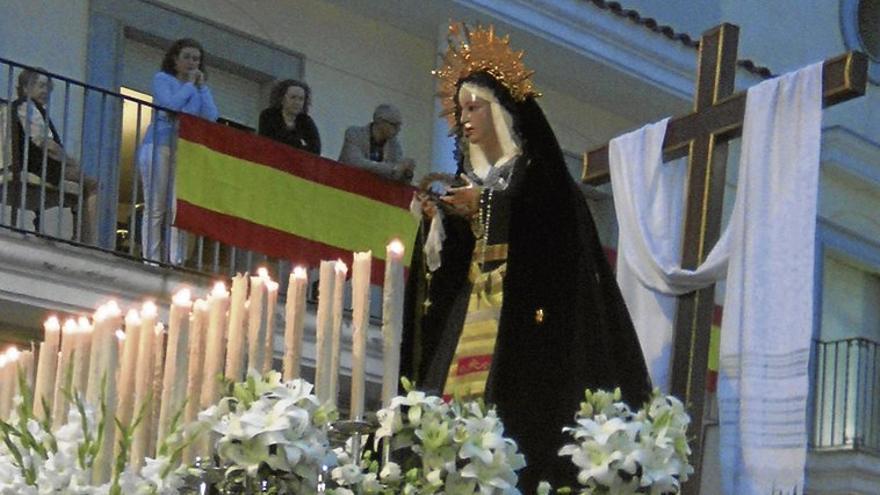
x=375 y=146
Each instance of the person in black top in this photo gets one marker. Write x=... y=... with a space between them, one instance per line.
x=287 y=118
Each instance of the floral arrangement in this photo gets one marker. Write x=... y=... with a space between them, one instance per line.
x=35 y=459
x=621 y=452
x=272 y=435
x=435 y=447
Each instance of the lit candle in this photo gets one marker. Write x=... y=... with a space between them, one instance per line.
x=112 y=318
x=237 y=314
x=143 y=386
x=176 y=360
x=7 y=381
x=83 y=352
x=256 y=325
x=294 y=319
x=47 y=368
x=128 y=367
x=360 y=320
x=26 y=367
x=156 y=392
x=215 y=344
x=324 y=330
x=392 y=320
x=93 y=380
x=271 y=301
x=335 y=346
x=197 y=326
x=64 y=375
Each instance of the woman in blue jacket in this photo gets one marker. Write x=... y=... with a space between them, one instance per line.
x=181 y=86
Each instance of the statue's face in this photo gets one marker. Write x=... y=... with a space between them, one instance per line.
x=476 y=119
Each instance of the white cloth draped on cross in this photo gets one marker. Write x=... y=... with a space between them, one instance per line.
x=767 y=255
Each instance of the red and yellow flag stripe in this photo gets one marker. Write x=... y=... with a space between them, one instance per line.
x=256 y=194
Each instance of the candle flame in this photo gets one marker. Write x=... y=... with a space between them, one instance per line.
x=263 y=272
x=112 y=308
x=120 y=335
x=159 y=329
x=149 y=310
x=70 y=326
x=271 y=286
x=396 y=247
x=12 y=354
x=183 y=297
x=341 y=267
x=219 y=290
x=85 y=325
x=52 y=324
x=132 y=317
x=299 y=272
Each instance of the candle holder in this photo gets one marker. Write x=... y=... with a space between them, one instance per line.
x=343 y=430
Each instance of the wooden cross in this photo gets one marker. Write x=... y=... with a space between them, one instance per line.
x=702 y=136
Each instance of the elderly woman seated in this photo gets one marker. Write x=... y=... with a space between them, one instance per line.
x=43 y=154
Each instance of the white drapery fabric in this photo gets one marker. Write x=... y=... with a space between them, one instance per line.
x=767 y=254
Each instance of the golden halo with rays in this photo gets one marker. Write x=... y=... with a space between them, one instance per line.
x=475 y=50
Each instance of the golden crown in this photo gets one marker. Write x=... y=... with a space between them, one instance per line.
x=475 y=50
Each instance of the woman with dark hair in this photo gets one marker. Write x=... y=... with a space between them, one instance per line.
x=287 y=118
x=181 y=86
x=524 y=306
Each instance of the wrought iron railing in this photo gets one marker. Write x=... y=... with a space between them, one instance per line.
x=846 y=395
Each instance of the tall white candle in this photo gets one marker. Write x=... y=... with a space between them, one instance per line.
x=112 y=318
x=156 y=393
x=83 y=353
x=176 y=360
x=128 y=367
x=324 y=330
x=271 y=301
x=340 y=271
x=256 y=324
x=235 y=351
x=7 y=381
x=197 y=330
x=26 y=365
x=47 y=368
x=392 y=320
x=143 y=386
x=64 y=376
x=294 y=319
x=360 y=320
x=215 y=344
x=93 y=380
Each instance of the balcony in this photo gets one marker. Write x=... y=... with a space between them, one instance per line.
x=845 y=423
x=48 y=263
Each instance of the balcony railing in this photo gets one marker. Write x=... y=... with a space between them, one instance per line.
x=846 y=395
x=101 y=130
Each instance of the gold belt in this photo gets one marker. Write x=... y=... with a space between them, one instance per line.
x=492 y=252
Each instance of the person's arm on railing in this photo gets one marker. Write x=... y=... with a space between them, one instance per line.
x=311 y=135
x=208 y=109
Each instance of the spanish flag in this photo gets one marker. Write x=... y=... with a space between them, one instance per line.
x=253 y=193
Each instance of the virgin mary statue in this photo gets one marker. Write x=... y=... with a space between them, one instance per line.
x=525 y=309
